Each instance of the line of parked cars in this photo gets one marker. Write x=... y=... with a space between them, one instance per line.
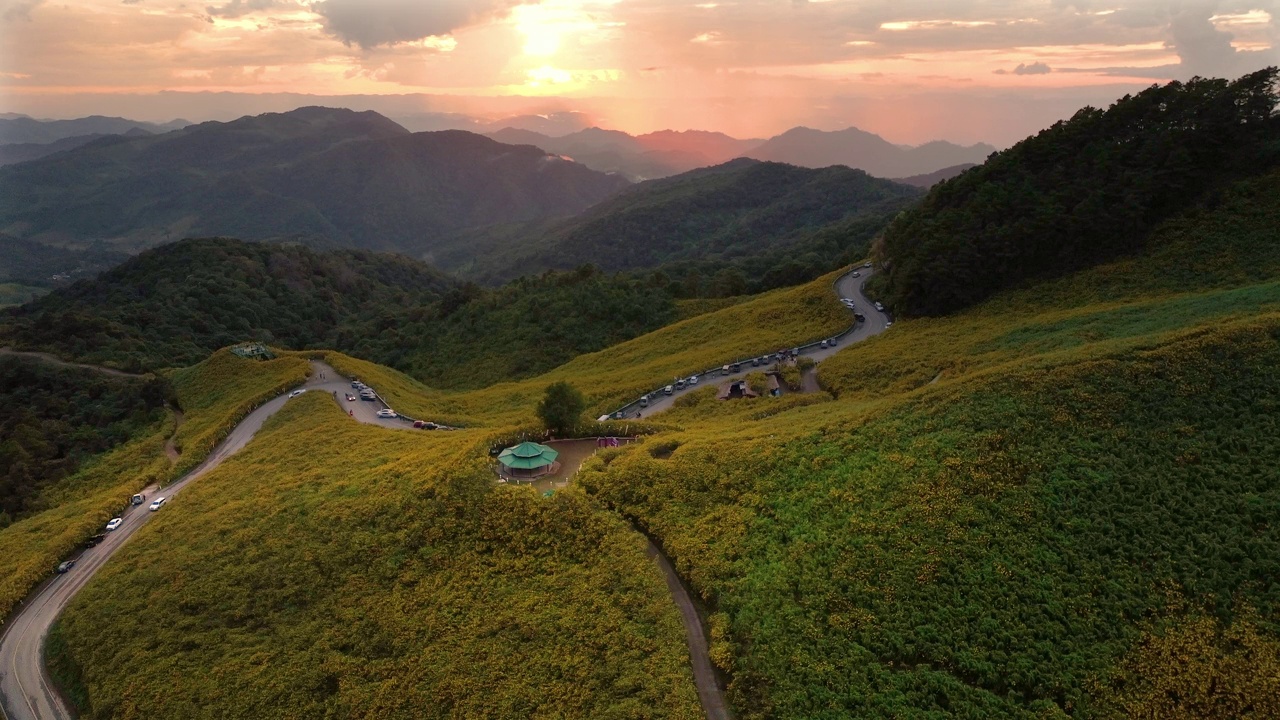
x=112 y=525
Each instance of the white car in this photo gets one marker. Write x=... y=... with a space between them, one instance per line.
x=297 y=392
x=888 y=323
x=157 y=504
x=386 y=413
x=693 y=380
x=115 y=523
x=879 y=307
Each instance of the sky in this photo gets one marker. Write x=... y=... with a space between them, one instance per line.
x=910 y=70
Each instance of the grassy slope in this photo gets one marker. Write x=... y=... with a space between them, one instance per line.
x=1086 y=489
x=1030 y=535
x=378 y=574
x=81 y=504
x=618 y=374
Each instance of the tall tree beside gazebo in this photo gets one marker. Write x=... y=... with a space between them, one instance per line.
x=561 y=407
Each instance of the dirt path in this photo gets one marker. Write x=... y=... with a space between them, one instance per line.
x=710 y=693
x=55 y=360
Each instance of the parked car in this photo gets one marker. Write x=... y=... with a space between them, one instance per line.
x=386 y=413
x=91 y=542
x=137 y=499
x=832 y=342
x=115 y=523
x=866 y=265
x=357 y=384
x=368 y=395
x=859 y=317
x=297 y=392
x=879 y=307
x=66 y=566
x=888 y=323
x=693 y=379
x=668 y=390
x=157 y=504
x=644 y=401
x=680 y=384
x=857 y=274
x=822 y=344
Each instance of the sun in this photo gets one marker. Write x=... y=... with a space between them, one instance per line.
x=542 y=29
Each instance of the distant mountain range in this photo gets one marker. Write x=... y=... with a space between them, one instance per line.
x=866 y=151
x=665 y=153
x=23 y=129
x=324 y=176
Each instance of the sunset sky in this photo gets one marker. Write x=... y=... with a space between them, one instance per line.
x=911 y=70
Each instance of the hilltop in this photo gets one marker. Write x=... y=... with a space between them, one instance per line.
x=765 y=224
x=324 y=176
x=1085 y=191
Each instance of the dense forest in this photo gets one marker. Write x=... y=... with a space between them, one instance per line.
x=475 y=337
x=52 y=419
x=745 y=218
x=1081 y=192
x=173 y=305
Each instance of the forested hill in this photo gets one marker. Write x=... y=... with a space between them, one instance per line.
x=173 y=305
x=327 y=176
x=1082 y=192
x=720 y=217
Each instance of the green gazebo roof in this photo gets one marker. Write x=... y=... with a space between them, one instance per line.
x=527 y=456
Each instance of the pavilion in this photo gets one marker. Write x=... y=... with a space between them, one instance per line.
x=528 y=461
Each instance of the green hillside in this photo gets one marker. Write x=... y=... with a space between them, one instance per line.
x=1027 y=509
x=1085 y=191
x=173 y=305
x=54 y=419
x=763 y=225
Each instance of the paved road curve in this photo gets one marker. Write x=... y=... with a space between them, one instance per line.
x=26 y=692
x=847 y=286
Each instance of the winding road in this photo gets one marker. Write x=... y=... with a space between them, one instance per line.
x=26 y=690
x=846 y=286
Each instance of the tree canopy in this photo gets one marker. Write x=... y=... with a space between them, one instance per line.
x=561 y=407
x=1081 y=192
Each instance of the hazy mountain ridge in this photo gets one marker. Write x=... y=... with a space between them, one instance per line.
x=22 y=152
x=740 y=209
x=23 y=129
x=668 y=152
x=866 y=151
x=321 y=175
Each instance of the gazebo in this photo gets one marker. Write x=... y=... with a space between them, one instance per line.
x=528 y=460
